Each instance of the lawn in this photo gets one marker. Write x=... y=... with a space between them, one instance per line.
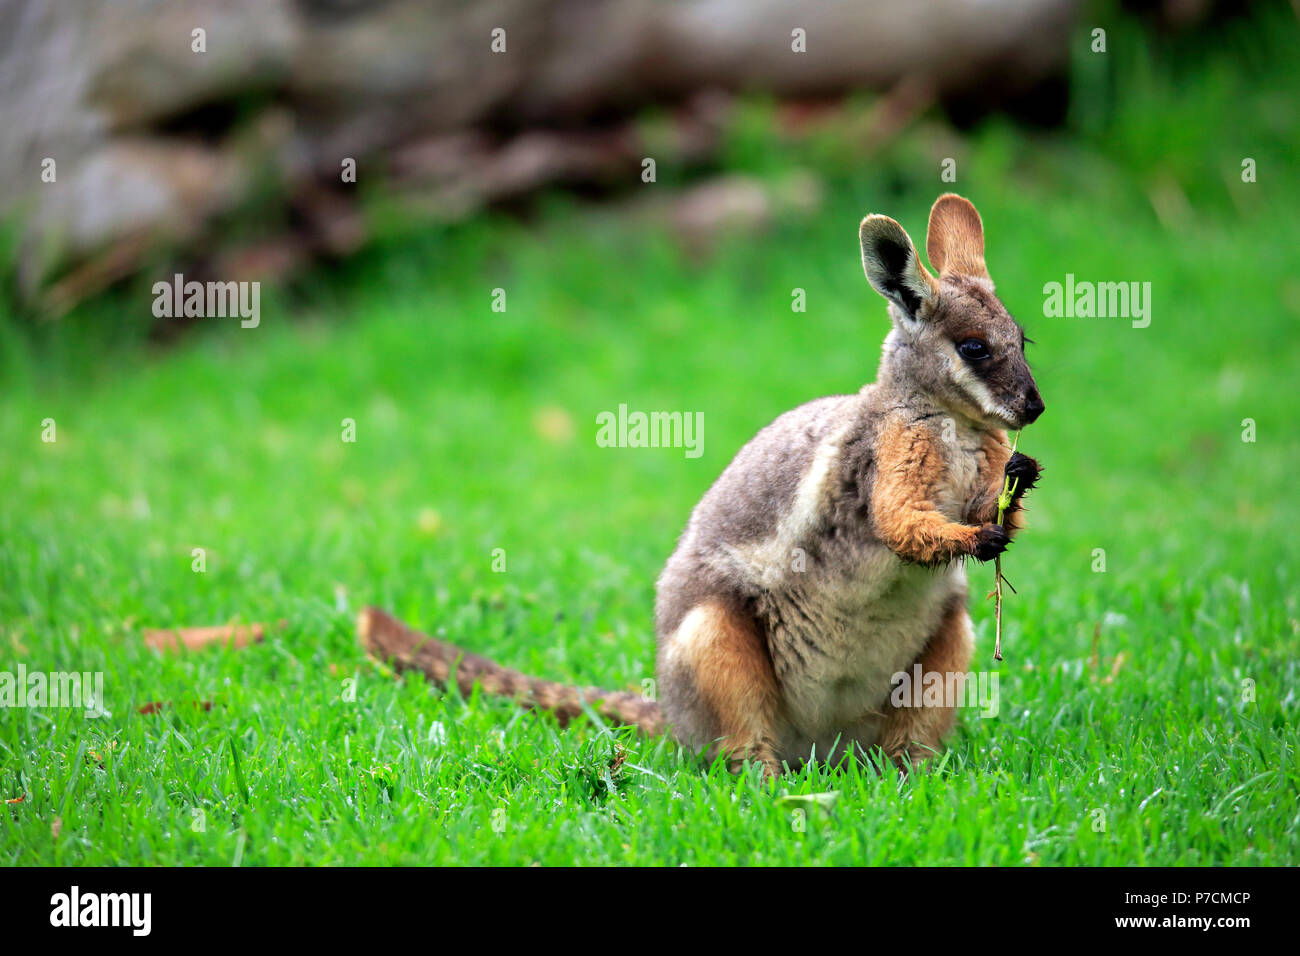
x=1148 y=710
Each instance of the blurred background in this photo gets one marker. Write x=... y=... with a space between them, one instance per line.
x=220 y=130
x=249 y=139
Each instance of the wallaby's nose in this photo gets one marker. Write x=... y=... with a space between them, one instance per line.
x=1033 y=407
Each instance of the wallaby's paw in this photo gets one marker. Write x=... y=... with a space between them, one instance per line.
x=990 y=541
x=1023 y=470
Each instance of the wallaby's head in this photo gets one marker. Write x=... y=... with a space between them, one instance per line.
x=952 y=339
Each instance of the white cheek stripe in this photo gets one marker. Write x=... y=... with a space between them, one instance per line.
x=977 y=390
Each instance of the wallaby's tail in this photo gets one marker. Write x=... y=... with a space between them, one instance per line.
x=389 y=639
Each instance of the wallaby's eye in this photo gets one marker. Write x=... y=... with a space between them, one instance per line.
x=974 y=349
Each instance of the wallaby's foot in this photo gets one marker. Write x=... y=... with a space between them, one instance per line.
x=762 y=756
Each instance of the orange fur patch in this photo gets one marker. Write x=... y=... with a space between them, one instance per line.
x=733 y=673
x=910 y=468
x=918 y=731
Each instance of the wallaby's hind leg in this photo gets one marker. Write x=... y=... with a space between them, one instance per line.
x=717 y=687
x=918 y=731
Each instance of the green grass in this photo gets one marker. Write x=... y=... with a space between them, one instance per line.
x=230 y=441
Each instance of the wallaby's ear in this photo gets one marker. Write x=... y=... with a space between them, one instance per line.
x=955 y=239
x=892 y=266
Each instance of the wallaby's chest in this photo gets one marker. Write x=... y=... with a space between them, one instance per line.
x=963 y=457
x=837 y=639
x=839 y=630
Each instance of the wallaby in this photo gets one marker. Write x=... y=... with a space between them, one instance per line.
x=829 y=555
